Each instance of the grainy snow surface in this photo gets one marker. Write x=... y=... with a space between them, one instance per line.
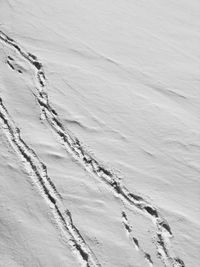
x=99 y=133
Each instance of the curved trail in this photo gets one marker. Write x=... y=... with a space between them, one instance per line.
x=89 y=163
x=38 y=173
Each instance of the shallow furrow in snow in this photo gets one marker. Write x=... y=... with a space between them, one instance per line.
x=38 y=173
x=94 y=167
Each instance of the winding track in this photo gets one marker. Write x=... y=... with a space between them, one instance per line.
x=96 y=169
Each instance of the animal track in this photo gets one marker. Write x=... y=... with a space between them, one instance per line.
x=38 y=173
x=129 y=231
x=95 y=168
x=12 y=65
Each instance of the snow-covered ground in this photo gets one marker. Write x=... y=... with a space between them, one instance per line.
x=99 y=133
